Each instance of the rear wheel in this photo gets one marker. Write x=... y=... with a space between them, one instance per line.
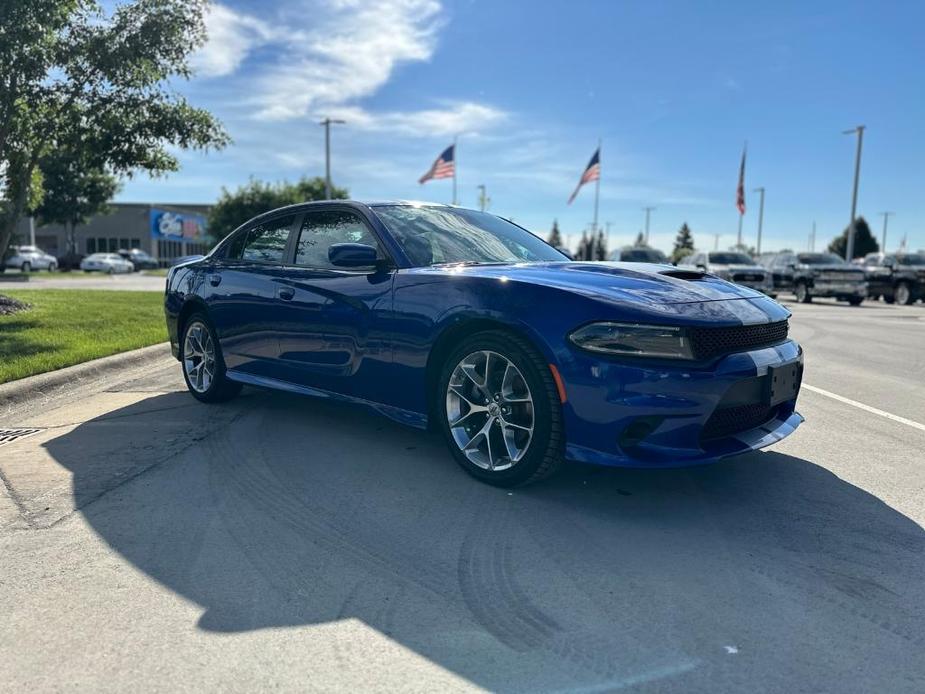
x=27 y=267
x=52 y=267
x=903 y=294
x=801 y=292
x=499 y=410
x=203 y=365
x=855 y=300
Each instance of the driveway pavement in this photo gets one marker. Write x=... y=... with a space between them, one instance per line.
x=148 y=541
x=64 y=280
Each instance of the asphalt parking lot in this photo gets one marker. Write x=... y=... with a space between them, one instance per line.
x=282 y=542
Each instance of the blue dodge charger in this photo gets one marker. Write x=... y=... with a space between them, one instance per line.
x=460 y=320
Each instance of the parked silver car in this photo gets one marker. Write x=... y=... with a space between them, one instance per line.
x=735 y=267
x=106 y=262
x=29 y=258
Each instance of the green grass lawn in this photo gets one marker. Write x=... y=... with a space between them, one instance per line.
x=160 y=272
x=70 y=326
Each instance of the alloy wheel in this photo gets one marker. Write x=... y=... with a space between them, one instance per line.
x=903 y=294
x=489 y=409
x=199 y=357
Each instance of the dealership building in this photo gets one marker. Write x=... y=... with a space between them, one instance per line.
x=165 y=231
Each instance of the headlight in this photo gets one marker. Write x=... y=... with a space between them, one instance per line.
x=629 y=339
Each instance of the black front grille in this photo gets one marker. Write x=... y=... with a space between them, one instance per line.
x=734 y=420
x=748 y=277
x=712 y=342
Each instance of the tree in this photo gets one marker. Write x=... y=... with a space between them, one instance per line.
x=555 y=237
x=73 y=192
x=73 y=76
x=683 y=244
x=256 y=197
x=864 y=241
x=600 y=247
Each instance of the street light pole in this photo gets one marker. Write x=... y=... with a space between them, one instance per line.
x=812 y=238
x=849 y=250
x=886 y=216
x=648 y=212
x=483 y=198
x=327 y=122
x=760 y=218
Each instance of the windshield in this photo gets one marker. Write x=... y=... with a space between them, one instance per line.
x=731 y=259
x=820 y=259
x=911 y=259
x=436 y=235
x=643 y=255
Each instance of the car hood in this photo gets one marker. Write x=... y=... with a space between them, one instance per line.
x=629 y=283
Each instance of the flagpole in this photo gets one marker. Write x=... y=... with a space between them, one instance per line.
x=455 y=167
x=597 y=183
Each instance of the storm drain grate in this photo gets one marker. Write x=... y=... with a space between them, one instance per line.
x=10 y=435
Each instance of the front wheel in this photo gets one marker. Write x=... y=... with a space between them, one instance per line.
x=52 y=267
x=903 y=294
x=801 y=292
x=203 y=365
x=855 y=300
x=499 y=410
x=27 y=267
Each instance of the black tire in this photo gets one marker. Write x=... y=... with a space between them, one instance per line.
x=545 y=452
x=855 y=300
x=110 y=270
x=801 y=292
x=890 y=299
x=221 y=388
x=26 y=267
x=52 y=267
x=903 y=294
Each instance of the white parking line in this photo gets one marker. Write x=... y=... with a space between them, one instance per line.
x=866 y=408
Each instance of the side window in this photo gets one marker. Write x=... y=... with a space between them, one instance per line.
x=267 y=242
x=321 y=230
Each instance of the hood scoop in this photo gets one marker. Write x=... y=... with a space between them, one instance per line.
x=689 y=275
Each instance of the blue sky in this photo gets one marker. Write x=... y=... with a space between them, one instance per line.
x=673 y=89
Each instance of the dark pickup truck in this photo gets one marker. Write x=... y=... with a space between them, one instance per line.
x=897 y=277
x=809 y=275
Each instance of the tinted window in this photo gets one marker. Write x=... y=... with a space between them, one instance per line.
x=321 y=230
x=911 y=259
x=431 y=235
x=730 y=259
x=265 y=242
x=820 y=259
x=643 y=255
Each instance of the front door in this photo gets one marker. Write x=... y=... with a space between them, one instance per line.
x=242 y=295
x=332 y=327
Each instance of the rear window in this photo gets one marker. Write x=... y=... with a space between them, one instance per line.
x=730 y=259
x=643 y=255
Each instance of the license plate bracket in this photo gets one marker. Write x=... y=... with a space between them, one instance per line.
x=783 y=383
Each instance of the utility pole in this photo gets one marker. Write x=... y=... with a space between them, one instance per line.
x=760 y=218
x=484 y=200
x=648 y=211
x=327 y=123
x=849 y=250
x=607 y=225
x=715 y=242
x=812 y=238
x=886 y=216
x=31 y=230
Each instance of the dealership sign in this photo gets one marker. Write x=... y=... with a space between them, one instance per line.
x=177 y=226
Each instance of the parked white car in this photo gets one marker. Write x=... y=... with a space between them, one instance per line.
x=106 y=262
x=28 y=258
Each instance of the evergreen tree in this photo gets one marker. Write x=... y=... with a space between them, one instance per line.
x=864 y=241
x=583 y=249
x=555 y=237
x=600 y=248
x=683 y=244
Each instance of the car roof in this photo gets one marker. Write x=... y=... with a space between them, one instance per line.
x=356 y=204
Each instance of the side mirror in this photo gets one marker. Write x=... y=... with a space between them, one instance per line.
x=351 y=255
x=702 y=268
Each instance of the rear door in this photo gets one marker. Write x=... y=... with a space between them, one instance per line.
x=242 y=291
x=333 y=331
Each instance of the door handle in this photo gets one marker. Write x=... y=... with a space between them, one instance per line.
x=215 y=280
x=285 y=293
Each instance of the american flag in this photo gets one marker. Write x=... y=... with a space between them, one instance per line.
x=740 y=191
x=444 y=167
x=592 y=173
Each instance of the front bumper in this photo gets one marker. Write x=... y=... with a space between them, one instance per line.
x=631 y=414
x=827 y=289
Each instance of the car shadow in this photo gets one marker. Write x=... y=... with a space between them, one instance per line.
x=764 y=573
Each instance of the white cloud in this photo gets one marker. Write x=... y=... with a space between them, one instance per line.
x=347 y=52
x=231 y=38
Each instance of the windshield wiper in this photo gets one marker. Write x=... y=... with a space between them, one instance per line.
x=473 y=262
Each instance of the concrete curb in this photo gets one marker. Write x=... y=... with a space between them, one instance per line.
x=46 y=385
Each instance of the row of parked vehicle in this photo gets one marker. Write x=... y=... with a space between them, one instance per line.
x=894 y=277
x=31 y=258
